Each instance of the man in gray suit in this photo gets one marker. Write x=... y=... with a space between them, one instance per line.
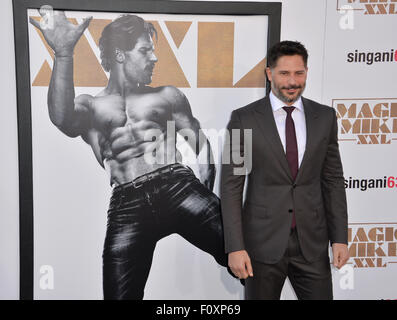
x=295 y=198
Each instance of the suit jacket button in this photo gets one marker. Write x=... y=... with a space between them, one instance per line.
x=294 y=185
x=290 y=210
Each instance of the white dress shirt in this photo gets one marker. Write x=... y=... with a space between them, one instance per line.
x=298 y=115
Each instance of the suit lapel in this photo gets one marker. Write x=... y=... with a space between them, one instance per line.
x=311 y=116
x=265 y=120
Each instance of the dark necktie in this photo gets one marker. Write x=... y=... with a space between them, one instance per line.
x=291 y=149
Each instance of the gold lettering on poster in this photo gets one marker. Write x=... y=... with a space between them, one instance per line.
x=215 y=54
x=178 y=30
x=96 y=27
x=167 y=70
x=214 y=66
x=43 y=76
x=255 y=78
x=87 y=72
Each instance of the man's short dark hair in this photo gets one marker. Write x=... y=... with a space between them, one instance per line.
x=286 y=48
x=123 y=34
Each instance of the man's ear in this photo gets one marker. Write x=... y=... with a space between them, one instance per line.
x=119 y=55
x=268 y=73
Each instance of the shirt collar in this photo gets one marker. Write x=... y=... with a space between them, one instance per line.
x=278 y=104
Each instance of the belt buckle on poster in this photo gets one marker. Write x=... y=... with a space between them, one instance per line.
x=139 y=183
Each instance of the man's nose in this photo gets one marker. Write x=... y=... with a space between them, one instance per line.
x=153 y=57
x=292 y=80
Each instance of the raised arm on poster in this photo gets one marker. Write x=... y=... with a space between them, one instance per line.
x=127 y=126
x=70 y=115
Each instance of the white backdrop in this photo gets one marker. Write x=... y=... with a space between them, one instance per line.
x=332 y=80
x=9 y=207
x=372 y=213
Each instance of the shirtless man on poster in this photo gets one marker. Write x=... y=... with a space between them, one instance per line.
x=150 y=199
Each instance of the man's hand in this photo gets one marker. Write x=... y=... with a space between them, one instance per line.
x=340 y=253
x=240 y=264
x=63 y=35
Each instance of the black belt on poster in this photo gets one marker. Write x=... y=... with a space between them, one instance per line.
x=139 y=181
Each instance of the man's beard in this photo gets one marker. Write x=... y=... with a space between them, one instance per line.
x=141 y=77
x=277 y=92
x=149 y=73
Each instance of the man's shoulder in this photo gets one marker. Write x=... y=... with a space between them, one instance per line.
x=249 y=107
x=166 y=90
x=317 y=106
x=170 y=96
x=169 y=93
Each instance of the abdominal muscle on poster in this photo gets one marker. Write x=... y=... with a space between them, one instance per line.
x=218 y=63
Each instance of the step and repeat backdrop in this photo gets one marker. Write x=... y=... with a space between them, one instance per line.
x=352 y=68
x=360 y=70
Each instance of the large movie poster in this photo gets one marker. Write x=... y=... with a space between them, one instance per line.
x=128 y=116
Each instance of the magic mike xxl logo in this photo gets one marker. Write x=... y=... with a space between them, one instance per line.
x=370 y=7
x=372 y=245
x=215 y=57
x=367 y=121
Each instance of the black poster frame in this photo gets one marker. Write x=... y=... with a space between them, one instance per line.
x=20 y=7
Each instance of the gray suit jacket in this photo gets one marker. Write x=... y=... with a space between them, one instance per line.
x=261 y=225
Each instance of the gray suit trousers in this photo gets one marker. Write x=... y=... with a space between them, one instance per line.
x=311 y=281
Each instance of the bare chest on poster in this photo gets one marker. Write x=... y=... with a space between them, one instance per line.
x=112 y=112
